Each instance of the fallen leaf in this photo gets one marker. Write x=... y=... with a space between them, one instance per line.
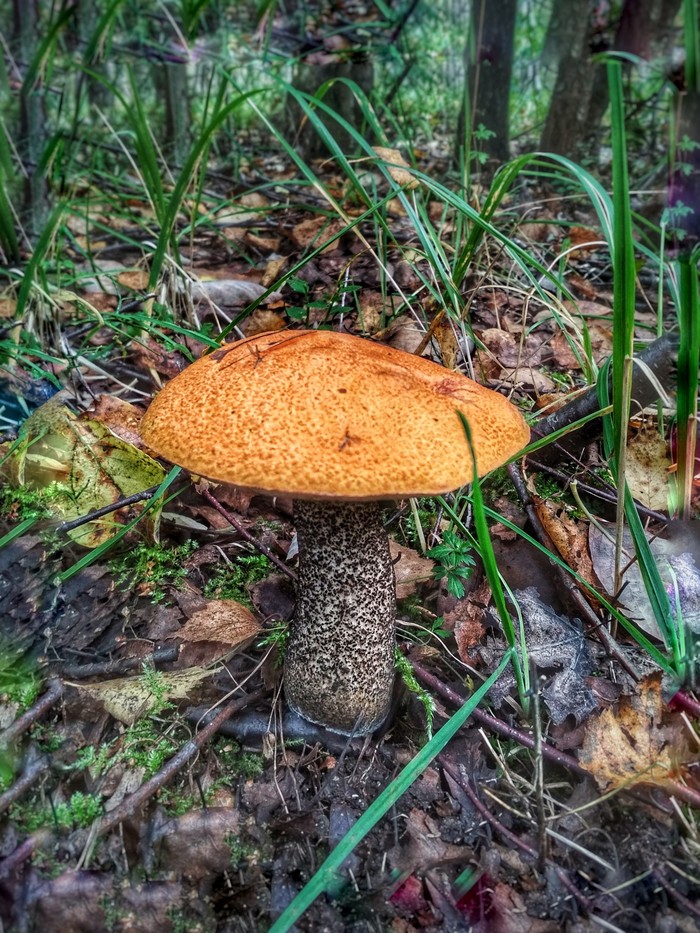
x=86 y=465
x=122 y=418
x=226 y=622
x=227 y=293
x=129 y=698
x=134 y=279
x=315 y=231
x=676 y=567
x=399 y=167
x=569 y=535
x=647 y=468
x=410 y=569
x=558 y=650
x=638 y=744
x=466 y=618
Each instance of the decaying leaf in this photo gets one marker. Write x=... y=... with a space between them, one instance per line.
x=216 y=630
x=560 y=654
x=466 y=619
x=227 y=293
x=410 y=569
x=569 y=535
x=129 y=698
x=647 y=469
x=87 y=466
x=638 y=744
x=401 y=175
x=678 y=572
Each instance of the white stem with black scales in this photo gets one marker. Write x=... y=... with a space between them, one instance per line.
x=339 y=663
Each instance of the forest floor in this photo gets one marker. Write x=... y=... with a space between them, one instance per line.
x=120 y=813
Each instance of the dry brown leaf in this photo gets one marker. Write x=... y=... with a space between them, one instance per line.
x=224 y=621
x=261 y=321
x=569 y=535
x=121 y=417
x=269 y=244
x=273 y=270
x=134 y=279
x=400 y=174
x=444 y=334
x=466 y=618
x=410 y=569
x=314 y=231
x=8 y=306
x=640 y=744
x=648 y=463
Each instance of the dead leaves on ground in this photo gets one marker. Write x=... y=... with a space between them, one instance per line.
x=640 y=743
x=83 y=464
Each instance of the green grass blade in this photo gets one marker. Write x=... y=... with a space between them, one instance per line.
x=327 y=876
x=520 y=665
x=687 y=383
x=17 y=531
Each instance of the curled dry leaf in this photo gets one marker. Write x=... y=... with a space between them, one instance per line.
x=569 y=535
x=638 y=744
x=466 y=619
x=398 y=167
x=410 y=569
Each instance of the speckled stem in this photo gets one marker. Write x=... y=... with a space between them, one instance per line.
x=339 y=665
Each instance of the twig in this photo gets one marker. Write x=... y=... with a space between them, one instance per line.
x=606 y=495
x=106 y=509
x=42 y=705
x=572 y=588
x=497 y=725
x=188 y=751
x=670 y=787
x=147 y=790
x=232 y=520
x=508 y=834
x=659 y=874
x=659 y=357
x=22 y=784
x=83 y=671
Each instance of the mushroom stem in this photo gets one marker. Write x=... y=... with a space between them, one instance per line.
x=339 y=664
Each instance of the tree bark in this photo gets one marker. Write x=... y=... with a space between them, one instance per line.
x=489 y=68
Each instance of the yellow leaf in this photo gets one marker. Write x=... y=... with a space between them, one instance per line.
x=638 y=744
x=129 y=698
x=402 y=176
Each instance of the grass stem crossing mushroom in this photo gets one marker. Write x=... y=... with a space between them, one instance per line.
x=339 y=423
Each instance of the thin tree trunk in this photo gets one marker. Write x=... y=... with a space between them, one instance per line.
x=489 y=69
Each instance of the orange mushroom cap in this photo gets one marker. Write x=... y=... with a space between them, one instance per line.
x=321 y=415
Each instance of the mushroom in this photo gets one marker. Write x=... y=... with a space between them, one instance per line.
x=339 y=423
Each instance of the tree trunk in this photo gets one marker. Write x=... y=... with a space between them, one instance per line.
x=484 y=119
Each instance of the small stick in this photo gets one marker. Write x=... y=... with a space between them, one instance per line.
x=508 y=834
x=497 y=725
x=42 y=705
x=147 y=790
x=232 y=520
x=83 y=671
x=106 y=509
